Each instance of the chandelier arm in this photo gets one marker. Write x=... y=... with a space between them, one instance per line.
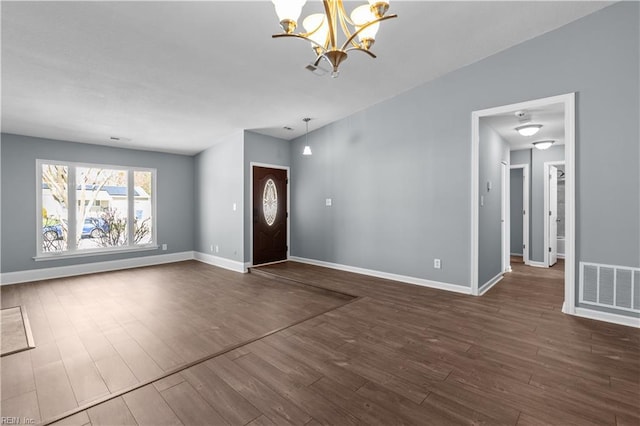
x=344 y=19
x=345 y=15
x=300 y=36
x=362 y=50
x=330 y=15
x=368 y=24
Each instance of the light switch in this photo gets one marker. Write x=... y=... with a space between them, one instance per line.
x=327 y=202
x=482 y=201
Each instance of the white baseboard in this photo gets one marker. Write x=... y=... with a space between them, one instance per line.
x=385 y=275
x=560 y=255
x=91 y=268
x=221 y=262
x=608 y=317
x=537 y=264
x=487 y=286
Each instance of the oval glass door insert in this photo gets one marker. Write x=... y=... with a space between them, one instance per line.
x=270 y=202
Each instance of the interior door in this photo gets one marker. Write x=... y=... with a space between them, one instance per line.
x=553 y=215
x=269 y=215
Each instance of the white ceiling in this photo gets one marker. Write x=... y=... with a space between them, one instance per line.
x=551 y=118
x=179 y=76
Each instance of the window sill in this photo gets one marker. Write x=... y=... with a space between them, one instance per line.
x=88 y=253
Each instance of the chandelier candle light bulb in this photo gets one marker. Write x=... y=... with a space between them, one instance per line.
x=322 y=28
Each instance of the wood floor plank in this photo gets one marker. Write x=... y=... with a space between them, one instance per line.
x=294 y=389
x=115 y=373
x=190 y=407
x=79 y=419
x=138 y=361
x=17 y=375
x=86 y=381
x=352 y=402
x=111 y=413
x=270 y=403
x=149 y=408
x=25 y=407
x=328 y=363
x=55 y=394
x=223 y=398
x=169 y=381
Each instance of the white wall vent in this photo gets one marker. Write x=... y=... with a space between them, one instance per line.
x=615 y=287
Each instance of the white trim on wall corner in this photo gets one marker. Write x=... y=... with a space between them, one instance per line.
x=487 y=286
x=385 y=275
x=221 y=262
x=91 y=268
x=608 y=317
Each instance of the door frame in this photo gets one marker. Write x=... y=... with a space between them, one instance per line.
x=568 y=101
x=505 y=213
x=525 y=207
x=545 y=200
x=270 y=166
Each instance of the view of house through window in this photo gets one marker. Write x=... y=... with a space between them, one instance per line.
x=113 y=207
x=55 y=199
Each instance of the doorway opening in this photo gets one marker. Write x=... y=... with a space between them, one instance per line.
x=534 y=216
x=519 y=213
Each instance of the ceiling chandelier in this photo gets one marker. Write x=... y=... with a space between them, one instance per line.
x=322 y=28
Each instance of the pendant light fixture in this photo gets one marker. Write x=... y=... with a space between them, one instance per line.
x=321 y=29
x=307 y=148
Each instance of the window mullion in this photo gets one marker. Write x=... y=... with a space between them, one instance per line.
x=130 y=207
x=72 y=208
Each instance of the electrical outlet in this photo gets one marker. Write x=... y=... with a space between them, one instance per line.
x=164 y=247
x=436 y=263
x=211 y=248
x=217 y=249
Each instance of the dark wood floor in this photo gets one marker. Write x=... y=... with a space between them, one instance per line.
x=399 y=354
x=102 y=334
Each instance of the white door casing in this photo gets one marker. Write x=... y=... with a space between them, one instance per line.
x=568 y=102
x=551 y=213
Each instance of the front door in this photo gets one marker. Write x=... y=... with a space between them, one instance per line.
x=269 y=215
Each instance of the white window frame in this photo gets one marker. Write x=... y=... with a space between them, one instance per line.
x=72 y=250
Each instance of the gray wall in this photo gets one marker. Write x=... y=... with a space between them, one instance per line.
x=175 y=197
x=399 y=173
x=259 y=149
x=538 y=216
x=493 y=151
x=219 y=184
x=516 y=207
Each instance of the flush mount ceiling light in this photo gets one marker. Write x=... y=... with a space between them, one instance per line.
x=543 y=144
x=526 y=128
x=529 y=129
x=322 y=28
x=307 y=148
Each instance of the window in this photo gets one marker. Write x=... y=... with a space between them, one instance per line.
x=92 y=208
